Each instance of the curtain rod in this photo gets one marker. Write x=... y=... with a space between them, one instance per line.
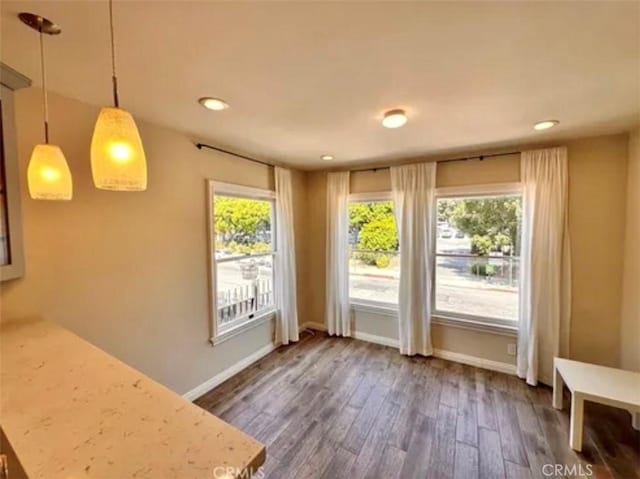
x=200 y=146
x=448 y=160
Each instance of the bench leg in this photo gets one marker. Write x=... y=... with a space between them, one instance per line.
x=577 y=418
x=558 y=385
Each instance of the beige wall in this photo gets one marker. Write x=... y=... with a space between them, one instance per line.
x=128 y=271
x=630 y=326
x=316 y=202
x=502 y=169
x=597 y=202
x=598 y=171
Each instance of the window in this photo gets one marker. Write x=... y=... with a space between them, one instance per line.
x=477 y=254
x=243 y=243
x=374 y=260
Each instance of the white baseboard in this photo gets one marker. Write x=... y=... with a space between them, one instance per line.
x=438 y=353
x=221 y=377
x=475 y=361
x=372 y=338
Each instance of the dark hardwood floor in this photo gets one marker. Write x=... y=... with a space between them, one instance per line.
x=342 y=408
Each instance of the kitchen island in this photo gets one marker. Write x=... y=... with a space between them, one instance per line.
x=70 y=410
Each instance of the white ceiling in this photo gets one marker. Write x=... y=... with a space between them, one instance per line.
x=308 y=78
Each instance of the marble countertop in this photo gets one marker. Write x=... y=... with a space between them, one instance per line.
x=70 y=410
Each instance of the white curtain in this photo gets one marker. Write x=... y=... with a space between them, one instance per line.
x=337 y=277
x=413 y=196
x=285 y=261
x=545 y=287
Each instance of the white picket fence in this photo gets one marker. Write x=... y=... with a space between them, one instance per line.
x=244 y=300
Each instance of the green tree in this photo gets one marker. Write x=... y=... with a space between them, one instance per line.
x=491 y=223
x=481 y=244
x=379 y=235
x=237 y=219
x=363 y=213
x=445 y=209
x=375 y=227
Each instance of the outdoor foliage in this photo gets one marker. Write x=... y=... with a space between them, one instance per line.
x=362 y=213
x=481 y=244
x=382 y=261
x=240 y=248
x=374 y=227
x=491 y=223
x=379 y=235
x=239 y=220
x=483 y=269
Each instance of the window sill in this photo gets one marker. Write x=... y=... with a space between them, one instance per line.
x=475 y=325
x=391 y=311
x=244 y=326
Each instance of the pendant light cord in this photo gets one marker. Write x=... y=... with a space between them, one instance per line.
x=116 y=101
x=44 y=90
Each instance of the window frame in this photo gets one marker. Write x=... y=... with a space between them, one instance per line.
x=367 y=305
x=471 y=191
x=247 y=321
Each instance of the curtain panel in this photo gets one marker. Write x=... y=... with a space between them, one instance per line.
x=545 y=283
x=285 y=261
x=338 y=319
x=413 y=189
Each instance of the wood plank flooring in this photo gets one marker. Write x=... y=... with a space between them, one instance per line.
x=341 y=408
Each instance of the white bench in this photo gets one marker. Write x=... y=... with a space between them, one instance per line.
x=589 y=382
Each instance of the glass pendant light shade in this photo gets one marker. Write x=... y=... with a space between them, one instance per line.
x=118 y=162
x=48 y=174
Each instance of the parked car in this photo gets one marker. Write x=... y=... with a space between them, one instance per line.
x=459 y=234
x=446 y=234
x=263 y=236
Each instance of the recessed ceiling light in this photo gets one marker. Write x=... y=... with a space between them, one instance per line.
x=394 y=119
x=545 y=125
x=326 y=157
x=215 y=104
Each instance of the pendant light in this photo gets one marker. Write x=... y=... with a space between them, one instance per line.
x=118 y=161
x=48 y=174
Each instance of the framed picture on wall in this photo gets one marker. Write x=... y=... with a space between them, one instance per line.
x=11 y=250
